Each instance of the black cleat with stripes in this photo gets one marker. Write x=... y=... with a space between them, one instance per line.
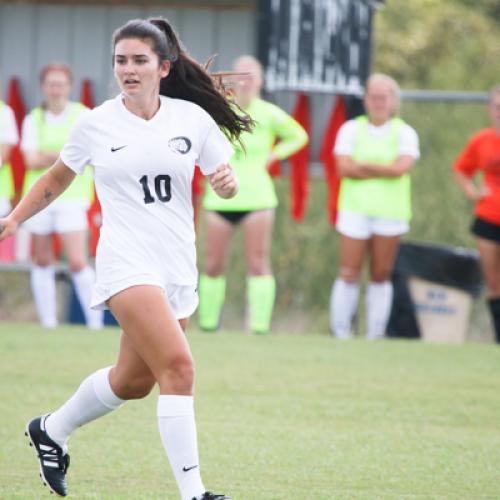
x=53 y=462
x=212 y=496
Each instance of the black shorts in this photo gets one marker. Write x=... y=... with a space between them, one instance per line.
x=486 y=230
x=234 y=217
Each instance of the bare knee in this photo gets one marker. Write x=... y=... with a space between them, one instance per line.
x=131 y=387
x=349 y=274
x=380 y=273
x=178 y=376
x=76 y=264
x=214 y=266
x=42 y=261
x=215 y=263
x=77 y=260
x=140 y=388
x=380 y=276
x=42 y=250
x=259 y=266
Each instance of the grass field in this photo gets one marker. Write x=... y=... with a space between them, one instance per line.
x=279 y=417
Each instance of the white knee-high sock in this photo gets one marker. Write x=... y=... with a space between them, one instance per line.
x=93 y=399
x=83 y=281
x=43 y=286
x=178 y=434
x=378 y=308
x=343 y=305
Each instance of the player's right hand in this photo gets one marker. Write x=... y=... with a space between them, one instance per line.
x=8 y=227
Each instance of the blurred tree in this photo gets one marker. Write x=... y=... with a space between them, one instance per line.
x=489 y=7
x=442 y=44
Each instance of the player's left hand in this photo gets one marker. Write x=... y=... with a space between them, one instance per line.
x=224 y=181
x=8 y=227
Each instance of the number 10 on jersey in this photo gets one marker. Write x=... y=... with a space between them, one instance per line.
x=162 y=188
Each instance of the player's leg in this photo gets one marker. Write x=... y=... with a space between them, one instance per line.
x=212 y=288
x=257 y=229
x=345 y=290
x=43 y=279
x=489 y=254
x=99 y=394
x=71 y=224
x=383 y=252
x=354 y=232
x=102 y=392
x=150 y=324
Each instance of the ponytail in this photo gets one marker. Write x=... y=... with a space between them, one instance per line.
x=190 y=81
x=187 y=79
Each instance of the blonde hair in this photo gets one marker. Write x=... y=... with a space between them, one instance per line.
x=248 y=59
x=392 y=84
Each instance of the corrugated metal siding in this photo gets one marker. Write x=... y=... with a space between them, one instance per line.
x=31 y=36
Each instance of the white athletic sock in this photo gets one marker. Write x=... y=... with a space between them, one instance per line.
x=43 y=286
x=343 y=305
x=93 y=399
x=378 y=308
x=178 y=434
x=83 y=281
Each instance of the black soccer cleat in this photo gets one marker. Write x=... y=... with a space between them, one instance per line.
x=53 y=463
x=212 y=496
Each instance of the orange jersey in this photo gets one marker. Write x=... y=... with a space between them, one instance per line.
x=482 y=154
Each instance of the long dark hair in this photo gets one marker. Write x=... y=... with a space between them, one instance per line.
x=187 y=79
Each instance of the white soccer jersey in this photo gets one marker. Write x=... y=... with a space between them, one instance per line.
x=346 y=138
x=143 y=171
x=8 y=127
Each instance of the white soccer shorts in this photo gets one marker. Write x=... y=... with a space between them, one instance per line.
x=59 y=218
x=363 y=227
x=183 y=299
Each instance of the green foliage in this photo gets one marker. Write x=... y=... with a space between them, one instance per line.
x=442 y=44
x=279 y=417
x=441 y=212
x=490 y=8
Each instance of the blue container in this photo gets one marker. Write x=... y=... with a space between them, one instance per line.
x=74 y=313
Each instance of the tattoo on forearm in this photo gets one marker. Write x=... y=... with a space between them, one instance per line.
x=47 y=194
x=36 y=206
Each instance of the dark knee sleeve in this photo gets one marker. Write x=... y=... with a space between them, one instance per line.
x=494 y=305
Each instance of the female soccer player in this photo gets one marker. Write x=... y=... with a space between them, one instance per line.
x=482 y=156
x=253 y=206
x=44 y=133
x=374 y=155
x=143 y=146
x=8 y=138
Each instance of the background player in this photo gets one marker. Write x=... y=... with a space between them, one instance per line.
x=482 y=156
x=374 y=155
x=253 y=206
x=44 y=133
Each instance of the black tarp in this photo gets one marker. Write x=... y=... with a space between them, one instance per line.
x=445 y=265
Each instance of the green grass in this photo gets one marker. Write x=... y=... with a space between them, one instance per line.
x=279 y=417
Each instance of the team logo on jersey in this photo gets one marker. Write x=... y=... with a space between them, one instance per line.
x=180 y=145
